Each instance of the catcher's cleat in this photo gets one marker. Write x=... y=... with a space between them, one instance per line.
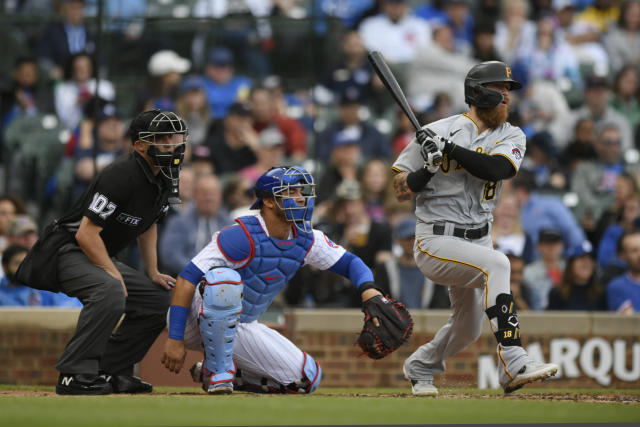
x=529 y=373
x=423 y=387
x=221 y=388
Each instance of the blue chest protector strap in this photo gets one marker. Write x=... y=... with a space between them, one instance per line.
x=221 y=308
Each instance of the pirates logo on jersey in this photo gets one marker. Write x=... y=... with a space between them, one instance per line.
x=516 y=153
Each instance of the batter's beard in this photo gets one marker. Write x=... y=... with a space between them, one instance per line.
x=493 y=117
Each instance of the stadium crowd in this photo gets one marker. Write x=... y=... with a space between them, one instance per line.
x=569 y=222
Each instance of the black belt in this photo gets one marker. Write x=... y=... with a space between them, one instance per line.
x=465 y=233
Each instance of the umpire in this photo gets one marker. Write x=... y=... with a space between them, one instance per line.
x=75 y=255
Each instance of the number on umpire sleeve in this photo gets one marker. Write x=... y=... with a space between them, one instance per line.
x=102 y=206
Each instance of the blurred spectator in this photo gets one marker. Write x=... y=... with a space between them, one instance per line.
x=10 y=206
x=238 y=196
x=265 y=115
x=460 y=21
x=61 y=40
x=623 y=292
x=542 y=161
x=594 y=181
x=232 y=141
x=22 y=231
x=243 y=26
x=519 y=292
x=186 y=234
x=579 y=288
x=370 y=240
x=626 y=188
x=165 y=67
x=22 y=96
x=297 y=105
x=372 y=143
x=200 y=155
x=270 y=153
x=402 y=279
x=550 y=58
x=79 y=86
x=193 y=107
x=221 y=85
x=582 y=36
x=426 y=77
x=375 y=182
x=515 y=33
x=597 y=108
x=405 y=132
x=352 y=70
x=483 y=46
x=538 y=212
x=98 y=146
x=542 y=275
x=624 y=97
x=12 y=294
x=349 y=12
x=346 y=158
x=395 y=32
x=607 y=249
x=581 y=147
x=601 y=14
x=622 y=41
x=506 y=232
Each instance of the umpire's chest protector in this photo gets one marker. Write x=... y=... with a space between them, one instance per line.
x=272 y=264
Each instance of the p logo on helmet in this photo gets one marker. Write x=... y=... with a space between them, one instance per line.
x=475 y=92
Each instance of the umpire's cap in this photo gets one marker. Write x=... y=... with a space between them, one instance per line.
x=487 y=72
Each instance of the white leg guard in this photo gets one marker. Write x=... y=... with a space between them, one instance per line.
x=220 y=313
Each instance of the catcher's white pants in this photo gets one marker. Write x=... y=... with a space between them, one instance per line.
x=476 y=275
x=259 y=351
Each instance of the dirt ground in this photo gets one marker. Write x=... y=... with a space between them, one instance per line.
x=632 y=399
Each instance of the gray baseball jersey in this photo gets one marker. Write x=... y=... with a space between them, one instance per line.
x=453 y=194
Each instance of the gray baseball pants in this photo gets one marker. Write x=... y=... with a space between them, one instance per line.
x=93 y=347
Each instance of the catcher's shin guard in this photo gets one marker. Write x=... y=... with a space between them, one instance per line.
x=508 y=331
x=220 y=313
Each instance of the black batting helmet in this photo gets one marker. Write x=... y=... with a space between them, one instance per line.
x=487 y=72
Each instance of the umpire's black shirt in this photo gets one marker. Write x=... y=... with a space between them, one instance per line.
x=125 y=199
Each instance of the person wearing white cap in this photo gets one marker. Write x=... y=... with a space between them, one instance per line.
x=166 y=68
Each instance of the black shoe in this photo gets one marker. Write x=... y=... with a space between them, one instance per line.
x=87 y=384
x=128 y=384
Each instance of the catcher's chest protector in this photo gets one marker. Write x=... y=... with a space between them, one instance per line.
x=273 y=264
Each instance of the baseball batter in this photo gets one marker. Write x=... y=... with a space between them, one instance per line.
x=454 y=204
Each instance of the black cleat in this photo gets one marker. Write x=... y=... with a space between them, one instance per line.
x=128 y=384
x=82 y=384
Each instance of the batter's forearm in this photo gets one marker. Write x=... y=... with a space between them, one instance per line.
x=403 y=193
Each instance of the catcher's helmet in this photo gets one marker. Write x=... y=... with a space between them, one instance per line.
x=487 y=72
x=277 y=182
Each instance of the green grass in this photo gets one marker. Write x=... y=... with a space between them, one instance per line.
x=189 y=406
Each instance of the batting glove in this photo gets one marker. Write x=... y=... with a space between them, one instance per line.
x=433 y=161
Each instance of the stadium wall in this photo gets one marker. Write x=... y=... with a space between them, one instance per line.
x=592 y=349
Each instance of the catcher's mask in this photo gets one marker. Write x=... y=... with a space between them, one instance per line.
x=475 y=93
x=282 y=183
x=153 y=127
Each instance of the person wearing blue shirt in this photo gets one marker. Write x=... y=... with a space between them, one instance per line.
x=221 y=86
x=623 y=292
x=538 y=212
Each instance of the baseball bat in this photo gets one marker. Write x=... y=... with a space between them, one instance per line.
x=382 y=70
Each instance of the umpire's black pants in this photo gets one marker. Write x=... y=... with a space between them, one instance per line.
x=93 y=347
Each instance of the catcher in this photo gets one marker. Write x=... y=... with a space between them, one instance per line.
x=221 y=293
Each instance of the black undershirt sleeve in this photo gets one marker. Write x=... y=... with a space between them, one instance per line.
x=481 y=165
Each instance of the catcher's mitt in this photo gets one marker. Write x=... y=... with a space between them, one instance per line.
x=395 y=327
